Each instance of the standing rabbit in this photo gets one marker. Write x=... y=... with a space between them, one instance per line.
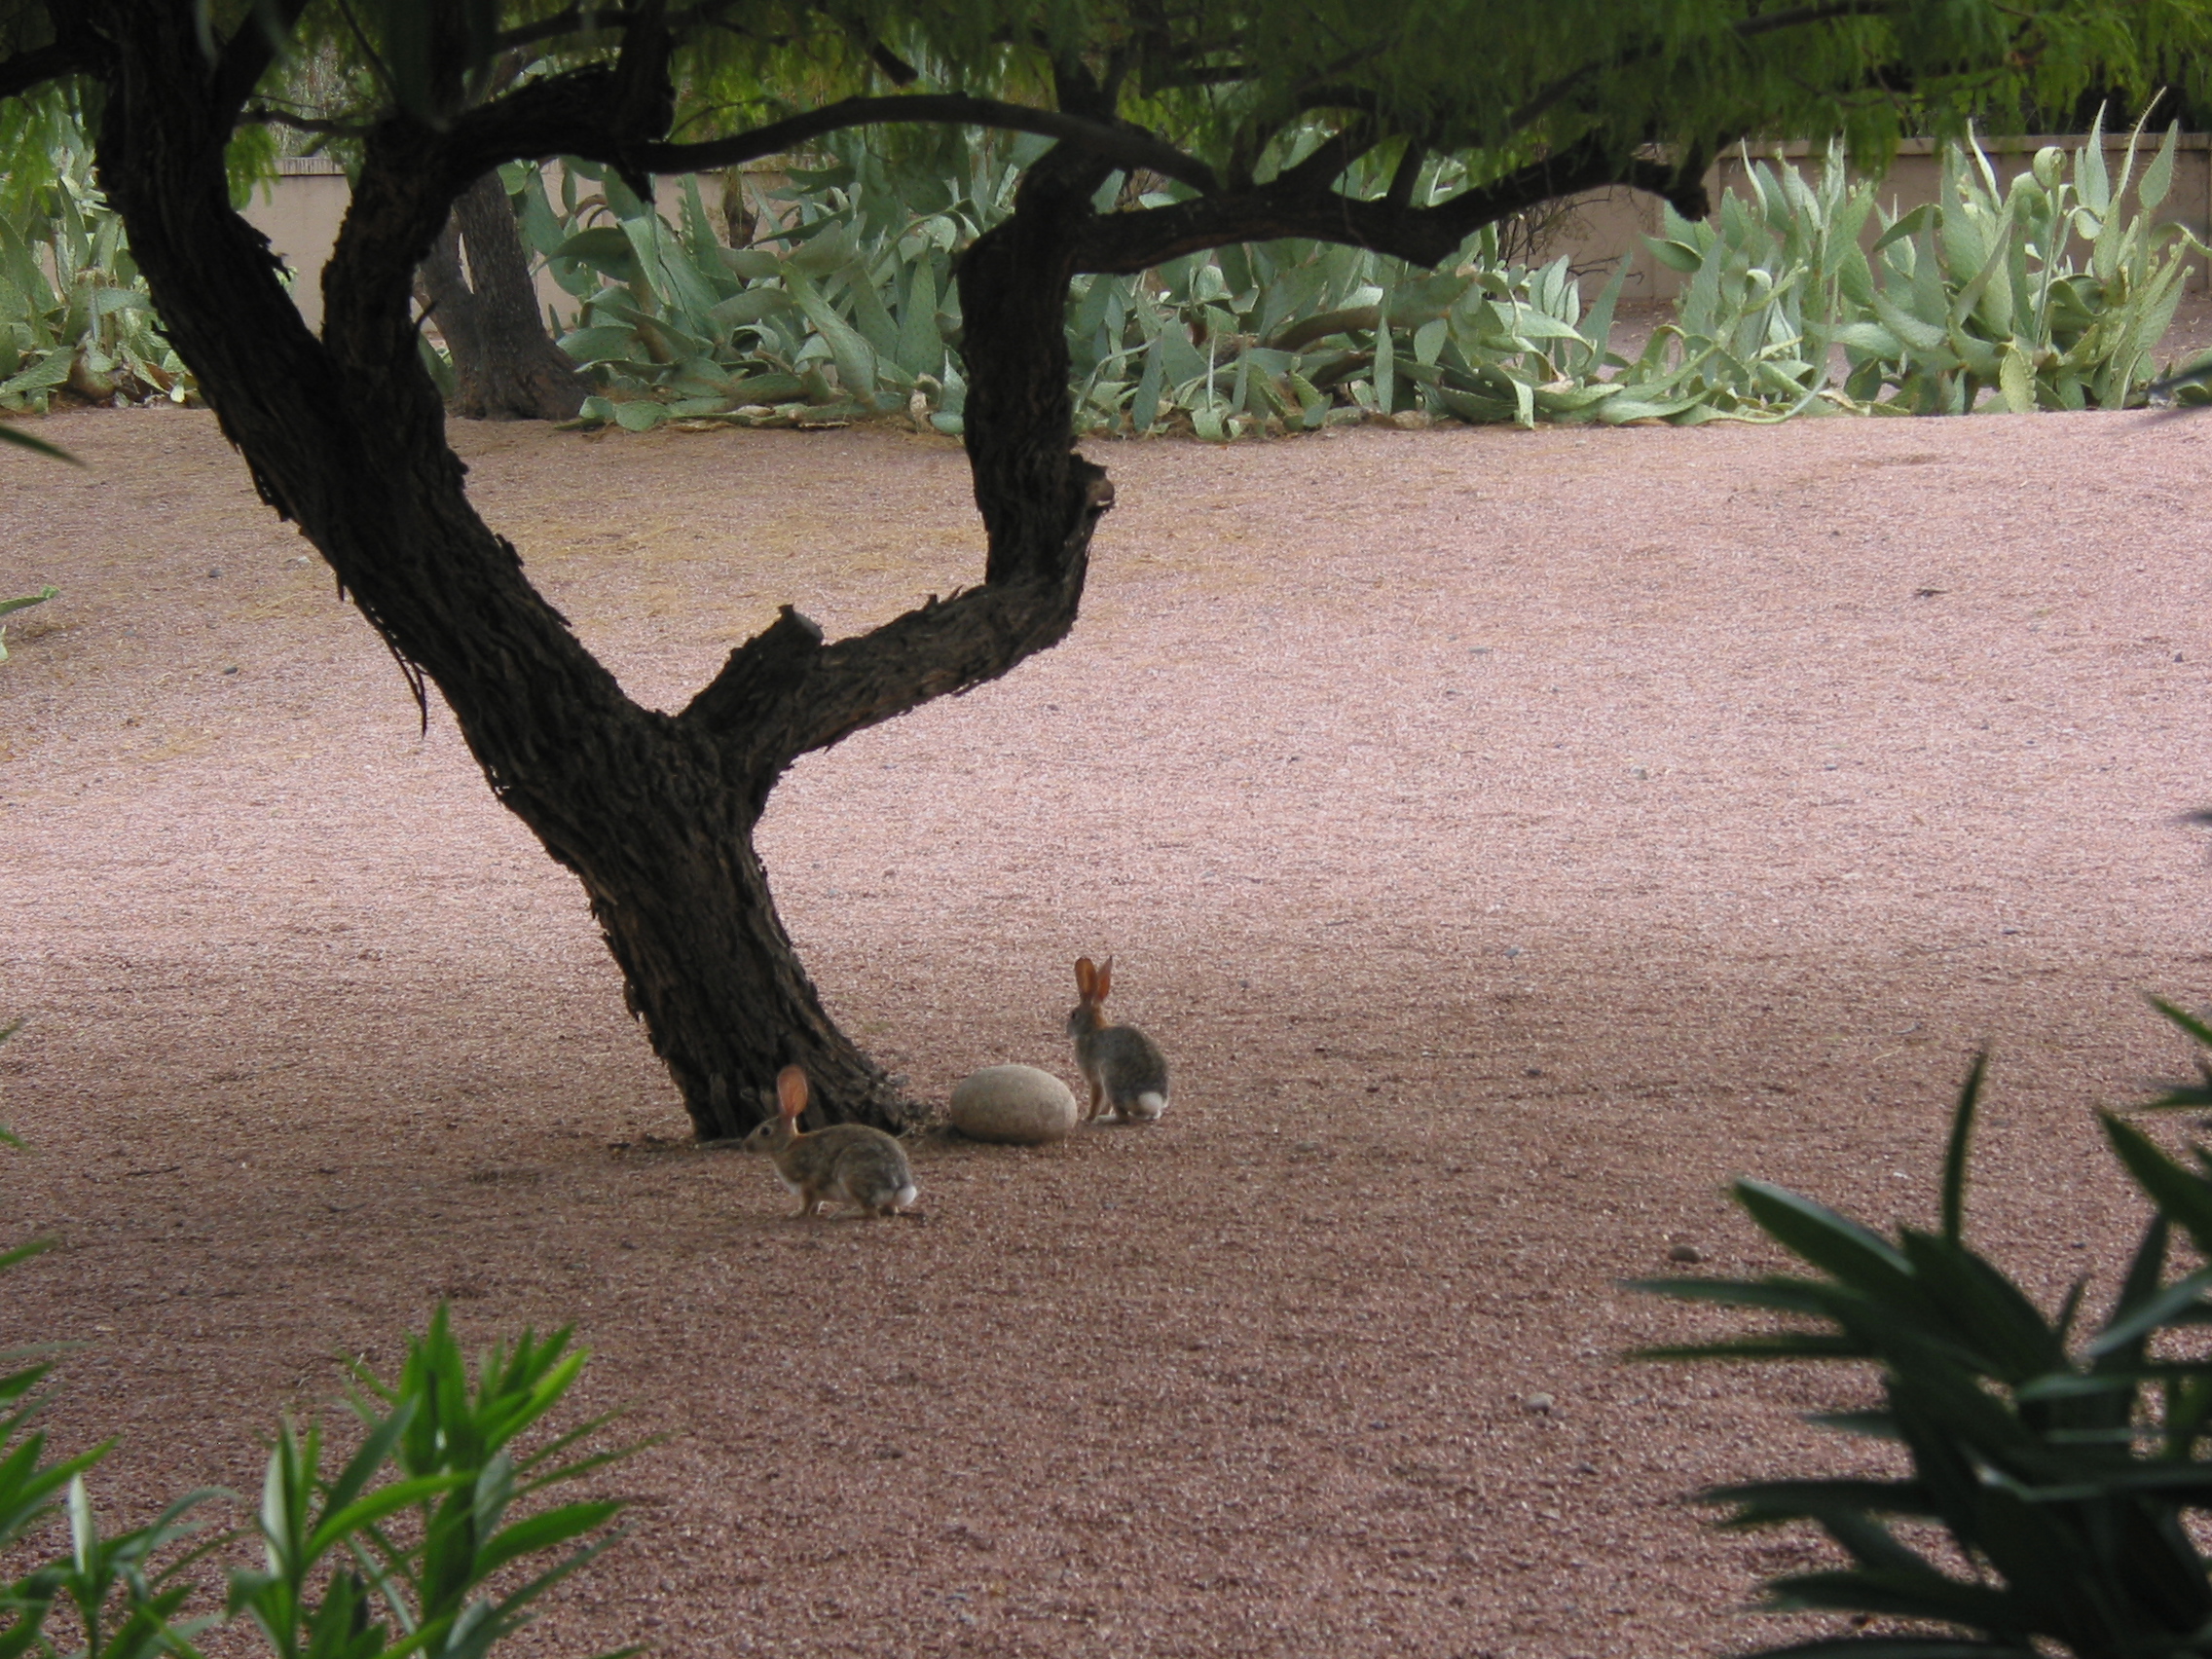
x=1127 y=1072
x=852 y=1162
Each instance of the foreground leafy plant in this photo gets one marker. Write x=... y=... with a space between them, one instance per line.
x=422 y=1547
x=2061 y=1463
x=389 y=1556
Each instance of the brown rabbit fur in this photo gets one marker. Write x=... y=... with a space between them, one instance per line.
x=1127 y=1072
x=863 y=1166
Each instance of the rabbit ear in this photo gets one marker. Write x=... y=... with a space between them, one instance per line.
x=1086 y=973
x=1105 y=979
x=790 y=1090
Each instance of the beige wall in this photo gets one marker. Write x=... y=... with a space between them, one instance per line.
x=300 y=211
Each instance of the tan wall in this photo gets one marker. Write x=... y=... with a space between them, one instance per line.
x=300 y=211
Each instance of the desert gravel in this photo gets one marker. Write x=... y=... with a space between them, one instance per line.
x=1510 y=838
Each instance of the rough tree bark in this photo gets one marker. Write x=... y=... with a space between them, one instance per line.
x=505 y=364
x=654 y=813
x=346 y=436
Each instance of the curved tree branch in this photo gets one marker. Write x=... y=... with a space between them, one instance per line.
x=895 y=69
x=1122 y=144
x=784 y=692
x=251 y=49
x=263 y=115
x=1126 y=243
x=28 y=70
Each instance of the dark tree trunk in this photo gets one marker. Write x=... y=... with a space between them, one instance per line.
x=505 y=365
x=654 y=813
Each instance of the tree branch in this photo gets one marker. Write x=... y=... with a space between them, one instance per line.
x=1335 y=154
x=601 y=20
x=1124 y=145
x=784 y=692
x=895 y=69
x=1128 y=242
x=262 y=115
x=1400 y=195
x=28 y=70
x=1227 y=75
x=251 y=50
x=644 y=98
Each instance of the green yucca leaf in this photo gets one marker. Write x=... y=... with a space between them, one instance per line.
x=1901 y=1647
x=1894 y=1593
x=1954 y=1191
x=1761 y=1502
x=606 y=249
x=1857 y=1256
x=2183 y=1196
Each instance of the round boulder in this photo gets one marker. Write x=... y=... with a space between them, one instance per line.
x=1018 y=1105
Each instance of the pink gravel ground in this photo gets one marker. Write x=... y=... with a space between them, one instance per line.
x=1509 y=836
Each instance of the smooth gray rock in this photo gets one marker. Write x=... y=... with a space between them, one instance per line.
x=1018 y=1105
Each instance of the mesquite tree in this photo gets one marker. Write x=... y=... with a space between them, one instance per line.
x=1254 y=109
x=505 y=365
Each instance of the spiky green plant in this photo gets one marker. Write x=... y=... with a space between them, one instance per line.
x=2062 y=1458
x=2054 y=291
x=411 y=1546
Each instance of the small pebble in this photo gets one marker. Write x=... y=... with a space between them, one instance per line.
x=1685 y=1253
x=1538 y=1402
x=214 y=571
x=233 y=669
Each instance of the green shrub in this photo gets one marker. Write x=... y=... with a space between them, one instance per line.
x=852 y=310
x=74 y=311
x=2053 y=293
x=390 y=1554
x=2060 y=1458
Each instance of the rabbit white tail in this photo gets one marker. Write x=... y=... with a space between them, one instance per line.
x=1148 y=1105
x=904 y=1196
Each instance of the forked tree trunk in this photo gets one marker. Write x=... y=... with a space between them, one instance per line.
x=654 y=812
x=505 y=365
